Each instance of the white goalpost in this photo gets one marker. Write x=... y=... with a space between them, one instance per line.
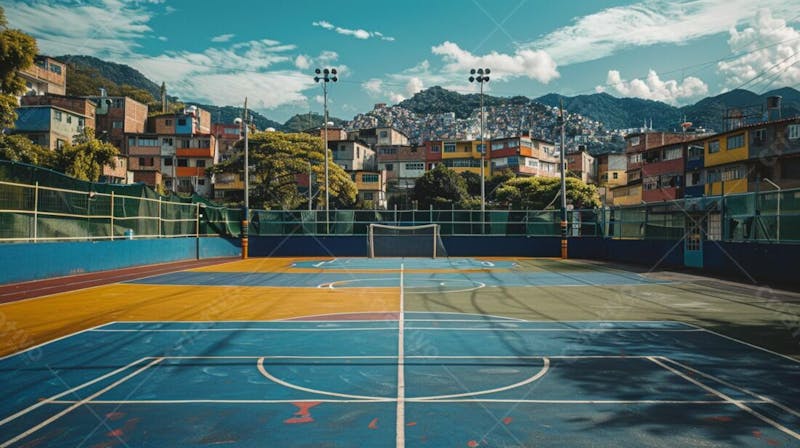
x=405 y=241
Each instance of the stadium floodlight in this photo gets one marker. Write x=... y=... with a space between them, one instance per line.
x=481 y=78
x=325 y=76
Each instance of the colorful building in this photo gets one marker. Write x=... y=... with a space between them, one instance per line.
x=663 y=172
x=46 y=75
x=524 y=156
x=49 y=126
x=371 y=187
x=118 y=116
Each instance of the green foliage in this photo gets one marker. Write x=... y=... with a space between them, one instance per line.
x=17 y=51
x=18 y=148
x=440 y=187
x=437 y=100
x=473 y=182
x=537 y=193
x=276 y=159
x=85 y=157
x=109 y=72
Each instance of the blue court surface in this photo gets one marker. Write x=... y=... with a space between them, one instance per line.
x=395 y=263
x=416 y=379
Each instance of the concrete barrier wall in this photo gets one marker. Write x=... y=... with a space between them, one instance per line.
x=22 y=261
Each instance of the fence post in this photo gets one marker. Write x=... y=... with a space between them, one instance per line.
x=36 y=212
x=159 y=217
x=112 y=215
x=197 y=230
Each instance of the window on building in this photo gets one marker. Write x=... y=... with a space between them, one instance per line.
x=358 y=152
x=759 y=136
x=149 y=141
x=673 y=153
x=435 y=148
x=794 y=131
x=615 y=175
x=695 y=152
x=69 y=119
x=513 y=143
x=712 y=176
x=389 y=167
x=415 y=166
x=713 y=146
x=167 y=141
x=635 y=158
x=183 y=162
x=181 y=122
x=201 y=181
x=116 y=125
x=168 y=161
x=57 y=115
x=185 y=143
x=200 y=163
x=131 y=141
x=633 y=141
x=481 y=148
x=694 y=178
x=733 y=173
x=368 y=195
x=81 y=122
x=60 y=144
x=384 y=134
x=449 y=147
x=388 y=151
x=146 y=161
x=498 y=145
x=117 y=103
x=735 y=141
x=168 y=122
x=55 y=69
x=369 y=178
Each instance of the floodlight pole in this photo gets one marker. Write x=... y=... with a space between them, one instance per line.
x=326 y=76
x=483 y=77
x=564 y=232
x=246 y=212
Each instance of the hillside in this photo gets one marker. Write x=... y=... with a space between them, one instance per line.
x=118 y=74
x=226 y=114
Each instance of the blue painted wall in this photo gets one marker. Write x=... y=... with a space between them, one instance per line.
x=22 y=262
x=764 y=263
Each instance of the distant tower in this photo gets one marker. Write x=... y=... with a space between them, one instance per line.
x=163 y=97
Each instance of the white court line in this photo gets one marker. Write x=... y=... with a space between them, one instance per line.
x=202 y=330
x=54 y=340
x=401 y=381
x=511 y=357
x=272 y=378
x=67 y=392
x=407 y=399
x=77 y=405
x=541 y=373
x=579 y=330
x=743 y=342
x=739 y=404
x=733 y=386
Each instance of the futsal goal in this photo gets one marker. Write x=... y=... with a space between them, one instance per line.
x=405 y=241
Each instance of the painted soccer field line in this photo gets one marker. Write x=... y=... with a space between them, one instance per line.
x=393 y=328
x=409 y=400
x=738 y=403
x=78 y=404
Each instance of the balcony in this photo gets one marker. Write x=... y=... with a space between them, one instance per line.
x=195 y=152
x=191 y=171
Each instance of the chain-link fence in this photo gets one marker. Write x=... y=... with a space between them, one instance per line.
x=37 y=204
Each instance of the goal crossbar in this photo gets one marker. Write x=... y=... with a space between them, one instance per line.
x=405 y=240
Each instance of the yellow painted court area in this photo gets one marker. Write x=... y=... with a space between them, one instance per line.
x=42 y=319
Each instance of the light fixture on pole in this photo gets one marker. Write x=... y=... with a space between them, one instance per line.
x=326 y=76
x=482 y=77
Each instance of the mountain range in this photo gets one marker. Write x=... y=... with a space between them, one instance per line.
x=87 y=74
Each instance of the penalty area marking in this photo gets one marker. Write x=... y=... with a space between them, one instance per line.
x=472 y=285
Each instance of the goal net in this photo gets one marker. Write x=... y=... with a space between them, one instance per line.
x=405 y=241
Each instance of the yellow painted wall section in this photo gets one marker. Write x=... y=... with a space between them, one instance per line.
x=731 y=186
x=725 y=155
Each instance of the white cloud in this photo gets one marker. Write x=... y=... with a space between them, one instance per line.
x=358 y=33
x=395 y=97
x=654 y=88
x=96 y=27
x=413 y=86
x=373 y=87
x=770 y=55
x=302 y=62
x=223 y=38
x=611 y=30
x=163 y=38
x=532 y=64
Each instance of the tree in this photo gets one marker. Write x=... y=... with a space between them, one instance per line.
x=276 y=159
x=473 y=182
x=19 y=148
x=440 y=187
x=17 y=51
x=85 y=157
x=539 y=193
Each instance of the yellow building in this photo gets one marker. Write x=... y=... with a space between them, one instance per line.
x=725 y=162
x=464 y=156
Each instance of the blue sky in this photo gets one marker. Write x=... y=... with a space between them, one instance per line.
x=219 y=52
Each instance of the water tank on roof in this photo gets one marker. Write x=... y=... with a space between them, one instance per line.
x=191 y=110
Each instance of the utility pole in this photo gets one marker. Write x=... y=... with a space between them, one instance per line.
x=481 y=78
